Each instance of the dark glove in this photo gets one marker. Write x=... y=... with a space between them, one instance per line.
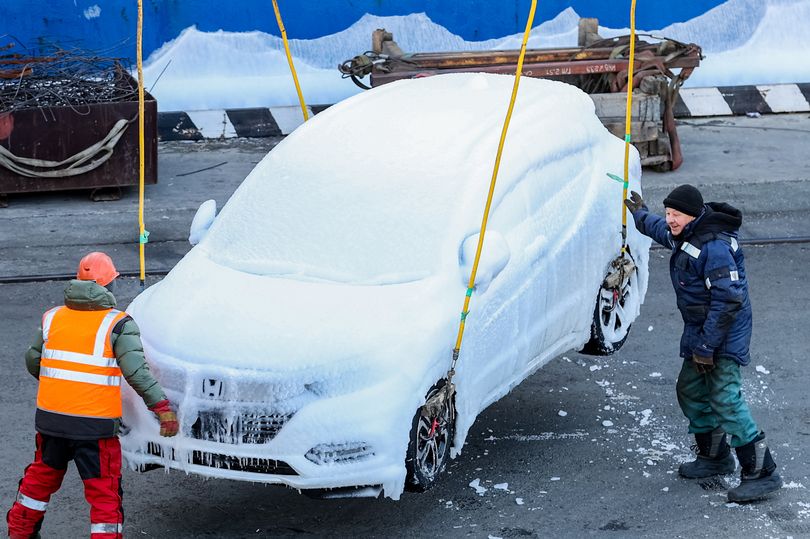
x=704 y=359
x=168 y=419
x=635 y=202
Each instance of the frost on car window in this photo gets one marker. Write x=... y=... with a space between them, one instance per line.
x=314 y=215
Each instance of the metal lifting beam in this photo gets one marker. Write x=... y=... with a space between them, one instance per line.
x=598 y=66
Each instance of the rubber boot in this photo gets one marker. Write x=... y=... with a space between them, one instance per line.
x=713 y=456
x=758 y=475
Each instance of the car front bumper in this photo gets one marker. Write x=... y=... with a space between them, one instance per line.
x=296 y=430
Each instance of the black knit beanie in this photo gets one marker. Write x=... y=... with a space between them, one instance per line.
x=686 y=199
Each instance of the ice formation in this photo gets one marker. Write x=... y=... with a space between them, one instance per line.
x=324 y=300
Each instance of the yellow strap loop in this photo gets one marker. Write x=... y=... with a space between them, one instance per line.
x=627 y=121
x=290 y=60
x=478 y=249
x=142 y=234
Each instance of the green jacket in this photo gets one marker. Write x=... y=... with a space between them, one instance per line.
x=126 y=343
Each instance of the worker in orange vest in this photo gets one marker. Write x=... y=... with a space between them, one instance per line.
x=83 y=351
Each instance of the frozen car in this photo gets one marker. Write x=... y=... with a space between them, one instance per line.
x=301 y=336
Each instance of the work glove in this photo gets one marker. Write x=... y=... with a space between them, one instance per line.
x=635 y=202
x=168 y=419
x=704 y=359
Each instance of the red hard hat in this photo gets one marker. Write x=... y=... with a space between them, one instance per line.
x=97 y=267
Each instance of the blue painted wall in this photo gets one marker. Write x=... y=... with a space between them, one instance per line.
x=70 y=23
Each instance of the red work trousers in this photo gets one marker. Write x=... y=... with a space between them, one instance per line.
x=99 y=465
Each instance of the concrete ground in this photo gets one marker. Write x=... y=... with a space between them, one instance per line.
x=604 y=468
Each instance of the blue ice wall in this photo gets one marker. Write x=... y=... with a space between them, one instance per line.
x=110 y=25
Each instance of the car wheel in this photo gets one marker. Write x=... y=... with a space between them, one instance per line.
x=429 y=444
x=610 y=325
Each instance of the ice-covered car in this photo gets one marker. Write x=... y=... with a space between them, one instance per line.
x=301 y=337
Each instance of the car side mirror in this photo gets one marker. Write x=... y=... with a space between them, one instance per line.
x=202 y=221
x=494 y=257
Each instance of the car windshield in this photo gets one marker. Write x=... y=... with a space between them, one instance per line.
x=310 y=219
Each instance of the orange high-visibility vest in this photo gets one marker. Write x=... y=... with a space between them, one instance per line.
x=79 y=374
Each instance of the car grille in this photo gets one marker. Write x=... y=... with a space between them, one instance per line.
x=227 y=462
x=242 y=464
x=248 y=428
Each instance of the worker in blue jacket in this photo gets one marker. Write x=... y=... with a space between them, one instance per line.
x=708 y=273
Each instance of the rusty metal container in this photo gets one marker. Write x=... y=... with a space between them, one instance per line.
x=57 y=133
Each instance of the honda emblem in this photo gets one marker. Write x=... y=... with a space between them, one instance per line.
x=212 y=387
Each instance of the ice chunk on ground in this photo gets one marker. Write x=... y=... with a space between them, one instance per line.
x=476 y=484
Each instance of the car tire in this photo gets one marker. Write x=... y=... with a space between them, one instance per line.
x=610 y=327
x=429 y=444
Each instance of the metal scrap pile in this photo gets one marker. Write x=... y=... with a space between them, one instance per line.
x=61 y=78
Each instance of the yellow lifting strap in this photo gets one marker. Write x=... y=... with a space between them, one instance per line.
x=143 y=235
x=471 y=283
x=627 y=121
x=290 y=60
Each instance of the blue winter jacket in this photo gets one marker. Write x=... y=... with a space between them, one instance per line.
x=708 y=274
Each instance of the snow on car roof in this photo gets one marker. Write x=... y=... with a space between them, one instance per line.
x=381 y=187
